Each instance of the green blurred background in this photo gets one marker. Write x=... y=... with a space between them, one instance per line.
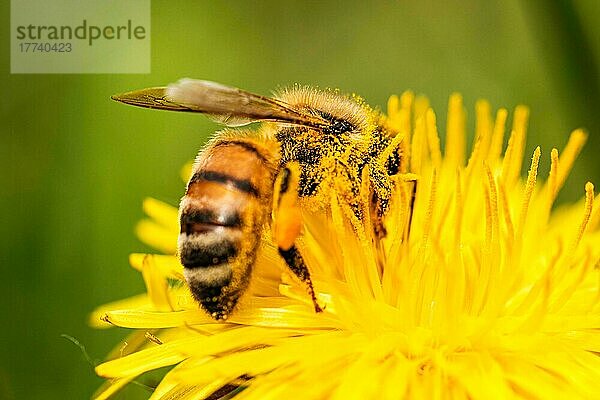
x=76 y=166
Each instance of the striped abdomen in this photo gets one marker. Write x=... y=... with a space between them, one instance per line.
x=221 y=216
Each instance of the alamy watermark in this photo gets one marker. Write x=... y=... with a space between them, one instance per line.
x=80 y=36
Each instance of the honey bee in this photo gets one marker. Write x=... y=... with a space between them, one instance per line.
x=309 y=143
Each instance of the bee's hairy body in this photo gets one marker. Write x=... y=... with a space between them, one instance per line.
x=337 y=155
x=222 y=216
x=335 y=141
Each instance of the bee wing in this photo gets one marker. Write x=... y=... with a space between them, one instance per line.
x=224 y=104
x=149 y=98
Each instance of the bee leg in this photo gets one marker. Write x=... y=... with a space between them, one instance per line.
x=287 y=224
x=295 y=262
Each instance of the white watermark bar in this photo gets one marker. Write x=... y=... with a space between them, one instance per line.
x=80 y=36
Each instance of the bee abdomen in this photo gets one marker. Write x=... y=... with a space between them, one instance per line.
x=208 y=256
x=244 y=185
x=208 y=238
x=202 y=251
x=204 y=220
x=221 y=218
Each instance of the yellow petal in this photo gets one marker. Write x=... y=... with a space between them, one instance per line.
x=169 y=266
x=156 y=285
x=157 y=236
x=145 y=360
x=133 y=318
x=137 y=302
x=162 y=213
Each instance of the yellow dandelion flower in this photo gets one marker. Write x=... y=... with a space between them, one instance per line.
x=480 y=291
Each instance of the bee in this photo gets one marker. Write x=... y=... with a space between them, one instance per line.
x=309 y=142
